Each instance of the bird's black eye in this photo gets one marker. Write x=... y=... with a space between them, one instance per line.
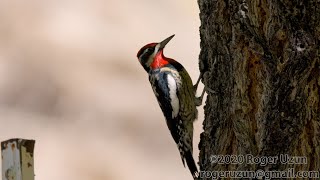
x=144 y=57
x=150 y=50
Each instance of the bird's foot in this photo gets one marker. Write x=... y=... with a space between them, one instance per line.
x=199 y=99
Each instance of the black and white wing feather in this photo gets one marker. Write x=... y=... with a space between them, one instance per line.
x=163 y=85
x=166 y=88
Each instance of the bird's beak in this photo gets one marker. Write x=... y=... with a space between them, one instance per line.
x=165 y=42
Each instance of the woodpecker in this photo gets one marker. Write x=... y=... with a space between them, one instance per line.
x=176 y=96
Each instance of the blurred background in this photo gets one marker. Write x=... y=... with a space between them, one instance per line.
x=70 y=79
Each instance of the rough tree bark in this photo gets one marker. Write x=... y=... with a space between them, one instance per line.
x=262 y=59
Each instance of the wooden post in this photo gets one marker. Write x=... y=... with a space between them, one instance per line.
x=17 y=159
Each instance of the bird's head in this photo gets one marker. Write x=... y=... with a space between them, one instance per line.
x=148 y=53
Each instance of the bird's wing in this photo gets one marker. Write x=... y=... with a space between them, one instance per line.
x=164 y=87
x=186 y=94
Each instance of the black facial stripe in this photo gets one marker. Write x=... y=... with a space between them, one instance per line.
x=146 y=54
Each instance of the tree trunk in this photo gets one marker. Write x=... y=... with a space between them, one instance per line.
x=261 y=58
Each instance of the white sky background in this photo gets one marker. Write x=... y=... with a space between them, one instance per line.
x=70 y=79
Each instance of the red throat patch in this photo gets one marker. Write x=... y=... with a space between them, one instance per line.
x=159 y=60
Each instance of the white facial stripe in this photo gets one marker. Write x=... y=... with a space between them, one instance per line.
x=173 y=96
x=142 y=54
x=150 y=60
x=156 y=49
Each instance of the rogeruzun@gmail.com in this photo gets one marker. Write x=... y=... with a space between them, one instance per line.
x=260 y=160
x=260 y=174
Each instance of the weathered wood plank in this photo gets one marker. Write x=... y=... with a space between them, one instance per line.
x=17 y=159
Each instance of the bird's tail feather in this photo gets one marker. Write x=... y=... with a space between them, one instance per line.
x=191 y=164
